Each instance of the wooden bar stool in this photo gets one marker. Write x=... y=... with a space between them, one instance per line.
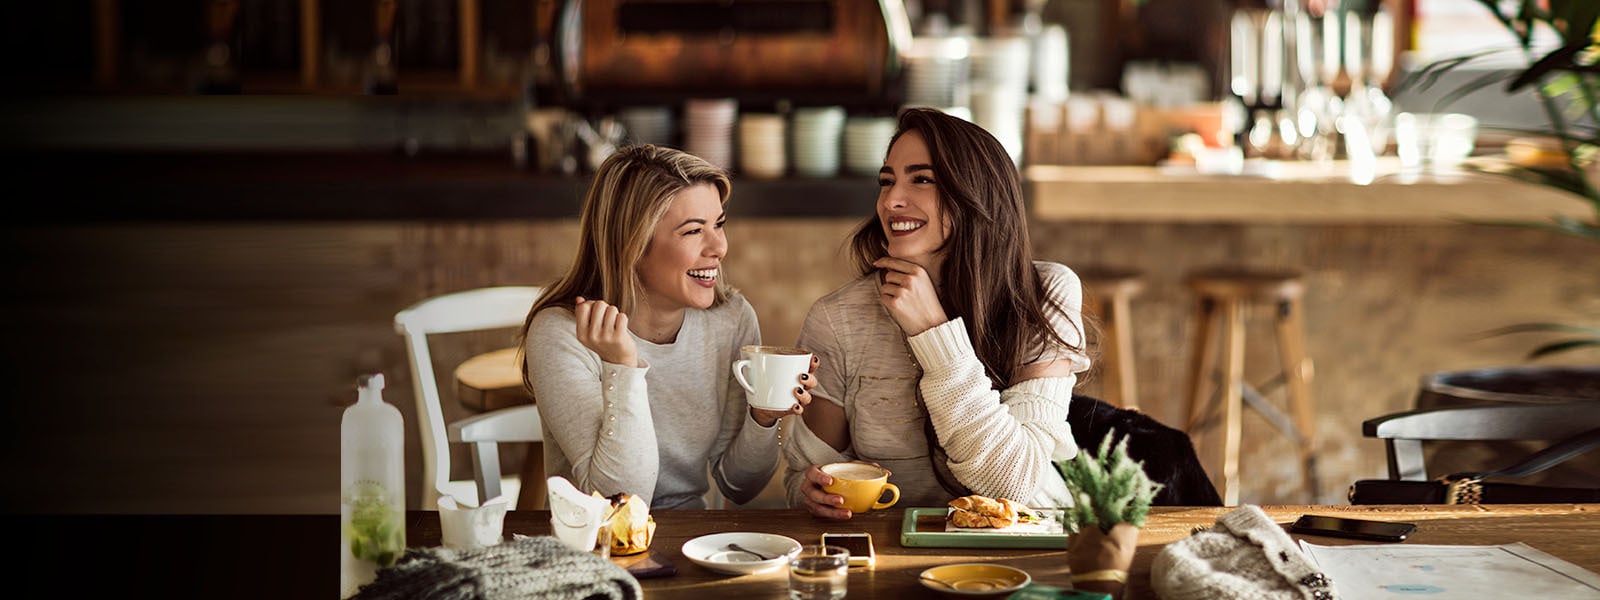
x=492 y=381
x=1226 y=294
x=1107 y=293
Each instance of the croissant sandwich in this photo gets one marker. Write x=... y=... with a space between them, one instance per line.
x=977 y=511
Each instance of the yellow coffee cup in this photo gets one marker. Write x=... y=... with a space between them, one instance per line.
x=862 y=485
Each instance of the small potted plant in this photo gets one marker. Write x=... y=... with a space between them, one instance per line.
x=1111 y=497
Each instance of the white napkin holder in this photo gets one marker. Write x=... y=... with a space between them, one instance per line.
x=575 y=517
x=465 y=526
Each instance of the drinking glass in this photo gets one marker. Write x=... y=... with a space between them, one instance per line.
x=819 y=573
x=1434 y=141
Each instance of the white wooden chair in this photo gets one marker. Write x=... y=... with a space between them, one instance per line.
x=483 y=434
x=480 y=309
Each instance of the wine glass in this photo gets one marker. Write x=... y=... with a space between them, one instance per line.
x=1367 y=59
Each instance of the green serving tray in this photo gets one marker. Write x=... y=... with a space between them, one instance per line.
x=924 y=527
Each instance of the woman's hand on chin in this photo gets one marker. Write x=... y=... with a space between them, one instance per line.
x=908 y=292
x=604 y=329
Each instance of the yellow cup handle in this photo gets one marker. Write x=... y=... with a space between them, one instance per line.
x=893 y=489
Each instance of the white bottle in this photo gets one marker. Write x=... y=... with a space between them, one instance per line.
x=372 y=511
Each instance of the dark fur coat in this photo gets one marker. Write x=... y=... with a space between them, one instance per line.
x=1168 y=454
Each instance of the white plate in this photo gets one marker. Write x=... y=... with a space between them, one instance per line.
x=711 y=552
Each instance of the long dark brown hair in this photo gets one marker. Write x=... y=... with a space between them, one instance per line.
x=987 y=277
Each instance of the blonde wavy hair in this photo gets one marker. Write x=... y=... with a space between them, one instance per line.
x=630 y=193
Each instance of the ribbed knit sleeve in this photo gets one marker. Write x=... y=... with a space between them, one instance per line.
x=988 y=434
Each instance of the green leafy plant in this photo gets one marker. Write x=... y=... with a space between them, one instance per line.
x=1566 y=81
x=1107 y=488
x=1580 y=337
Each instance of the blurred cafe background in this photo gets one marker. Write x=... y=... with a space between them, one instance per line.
x=218 y=206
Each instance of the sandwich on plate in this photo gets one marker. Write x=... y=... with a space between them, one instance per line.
x=981 y=512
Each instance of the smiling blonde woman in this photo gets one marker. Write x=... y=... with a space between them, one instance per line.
x=628 y=356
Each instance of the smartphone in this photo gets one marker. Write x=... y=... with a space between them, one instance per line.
x=1360 y=529
x=859 y=545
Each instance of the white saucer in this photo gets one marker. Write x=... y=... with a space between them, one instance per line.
x=712 y=552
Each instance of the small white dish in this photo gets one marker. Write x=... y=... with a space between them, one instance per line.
x=712 y=552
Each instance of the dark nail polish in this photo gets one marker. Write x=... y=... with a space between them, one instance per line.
x=805 y=377
x=799 y=391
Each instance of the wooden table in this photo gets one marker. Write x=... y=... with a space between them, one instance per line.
x=294 y=556
x=1568 y=531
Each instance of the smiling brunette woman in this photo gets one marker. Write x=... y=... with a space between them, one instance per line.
x=629 y=355
x=951 y=360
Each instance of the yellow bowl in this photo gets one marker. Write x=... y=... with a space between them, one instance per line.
x=974 y=580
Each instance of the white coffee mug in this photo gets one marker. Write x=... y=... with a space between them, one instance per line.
x=770 y=374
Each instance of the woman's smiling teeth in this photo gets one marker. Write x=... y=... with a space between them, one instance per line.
x=906 y=225
x=704 y=274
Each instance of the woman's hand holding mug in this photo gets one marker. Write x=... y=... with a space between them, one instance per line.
x=768 y=375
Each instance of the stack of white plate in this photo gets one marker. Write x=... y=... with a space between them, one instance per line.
x=647 y=124
x=708 y=129
x=761 y=145
x=866 y=142
x=936 y=71
x=816 y=133
x=999 y=96
x=1002 y=112
x=999 y=62
x=1050 y=64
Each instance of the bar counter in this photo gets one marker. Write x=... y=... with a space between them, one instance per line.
x=111 y=186
x=1297 y=193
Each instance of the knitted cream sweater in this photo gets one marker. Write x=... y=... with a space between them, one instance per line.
x=1000 y=442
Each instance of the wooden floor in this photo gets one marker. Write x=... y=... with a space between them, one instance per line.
x=203 y=368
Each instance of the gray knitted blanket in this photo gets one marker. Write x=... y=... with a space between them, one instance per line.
x=525 y=567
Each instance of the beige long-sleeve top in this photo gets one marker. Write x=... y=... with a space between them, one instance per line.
x=652 y=430
x=1001 y=443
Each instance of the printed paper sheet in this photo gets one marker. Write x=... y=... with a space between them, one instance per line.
x=1416 y=572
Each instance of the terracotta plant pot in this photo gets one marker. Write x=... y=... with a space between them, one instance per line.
x=1093 y=554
